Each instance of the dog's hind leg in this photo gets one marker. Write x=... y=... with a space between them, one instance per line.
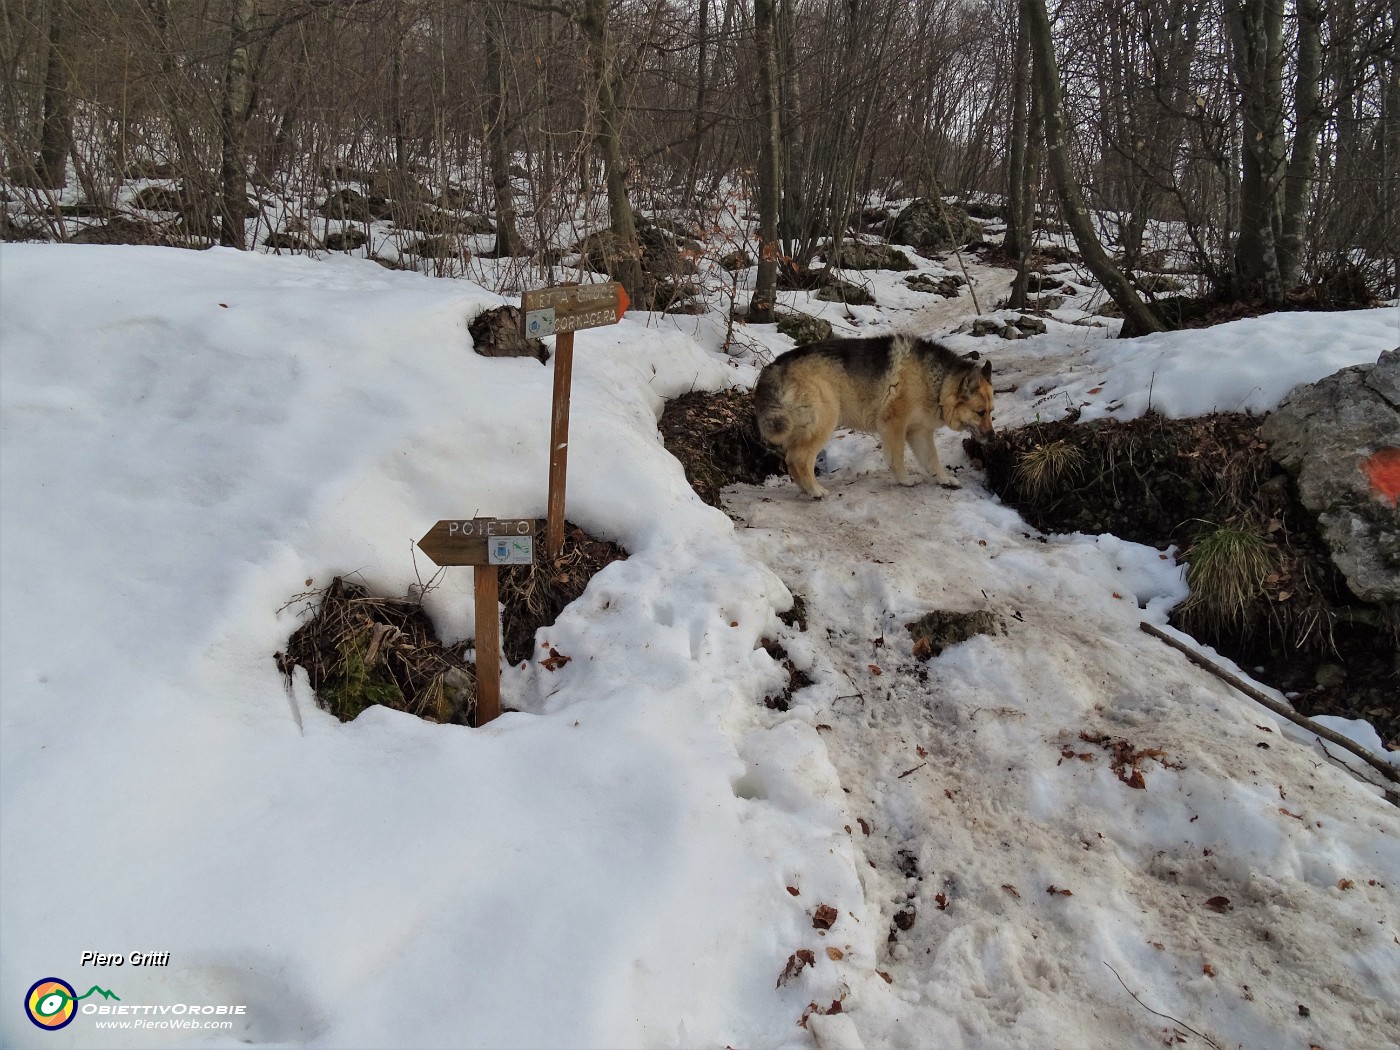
x=927 y=452
x=801 y=464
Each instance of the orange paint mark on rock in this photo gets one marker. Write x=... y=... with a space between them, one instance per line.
x=1383 y=470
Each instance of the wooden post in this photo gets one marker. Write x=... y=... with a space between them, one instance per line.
x=559 y=442
x=488 y=644
x=561 y=312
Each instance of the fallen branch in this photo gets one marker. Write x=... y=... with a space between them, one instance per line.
x=1369 y=757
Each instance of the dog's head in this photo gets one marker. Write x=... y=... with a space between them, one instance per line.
x=971 y=408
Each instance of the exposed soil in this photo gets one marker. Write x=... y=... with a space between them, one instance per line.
x=534 y=595
x=360 y=650
x=1161 y=482
x=716 y=440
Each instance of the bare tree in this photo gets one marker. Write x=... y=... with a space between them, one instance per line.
x=765 y=290
x=1138 y=318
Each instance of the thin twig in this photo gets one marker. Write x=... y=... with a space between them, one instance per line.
x=1158 y=1013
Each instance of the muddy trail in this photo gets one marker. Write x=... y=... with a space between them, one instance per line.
x=1057 y=776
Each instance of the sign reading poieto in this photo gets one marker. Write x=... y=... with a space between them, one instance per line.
x=561 y=311
x=483 y=543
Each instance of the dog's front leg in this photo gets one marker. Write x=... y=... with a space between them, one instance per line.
x=892 y=435
x=927 y=451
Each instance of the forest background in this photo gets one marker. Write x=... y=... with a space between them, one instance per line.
x=1264 y=133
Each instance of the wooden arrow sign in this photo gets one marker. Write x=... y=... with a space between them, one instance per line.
x=572 y=308
x=484 y=543
x=480 y=541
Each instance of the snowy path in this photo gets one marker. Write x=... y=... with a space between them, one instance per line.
x=986 y=810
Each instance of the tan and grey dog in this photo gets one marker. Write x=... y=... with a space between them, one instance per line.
x=900 y=388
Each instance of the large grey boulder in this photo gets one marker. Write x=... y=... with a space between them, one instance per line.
x=1340 y=440
x=929 y=225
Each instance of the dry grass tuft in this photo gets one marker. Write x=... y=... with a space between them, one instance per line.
x=1043 y=469
x=359 y=650
x=1227 y=569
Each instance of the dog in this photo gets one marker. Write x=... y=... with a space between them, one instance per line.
x=895 y=386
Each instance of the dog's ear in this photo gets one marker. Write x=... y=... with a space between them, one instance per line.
x=987 y=371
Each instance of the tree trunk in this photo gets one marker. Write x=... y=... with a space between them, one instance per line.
x=697 y=128
x=792 y=133
x=1390 y=159
x=627 y=266
x=57 y=135
x=1019 y=234
x=233 y=202
x=1138 y=318
x=507 y=240
x=765 y=292
x=1256 y=38
x=1308 y=125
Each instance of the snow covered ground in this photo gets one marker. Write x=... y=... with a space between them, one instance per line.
x=635 y=855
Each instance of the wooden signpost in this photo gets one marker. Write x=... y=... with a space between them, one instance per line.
x=483 y=543
x=560 y=312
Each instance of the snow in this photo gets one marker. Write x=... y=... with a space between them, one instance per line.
x=1248 y=365
x=632 y=854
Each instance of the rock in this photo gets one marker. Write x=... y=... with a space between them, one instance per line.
x=929 y=225
x=1030 y=325
x=427 y=219
x=287 y=242
x=1339 y=438
x=1158 y=283
x=347 y=239
x=857 y=256
x=984 y=210
x=803 y=328
x=945 y=286
x=436 y=248
x=120 y=230
x=1039 y=282
x=735 y=261
x=348 y=205
x=496 y=333
x=838 y=291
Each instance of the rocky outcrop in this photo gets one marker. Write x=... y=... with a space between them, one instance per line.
x=1339 y=438
x=928 y=225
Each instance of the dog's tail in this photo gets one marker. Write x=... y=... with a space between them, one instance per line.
x=774 y=422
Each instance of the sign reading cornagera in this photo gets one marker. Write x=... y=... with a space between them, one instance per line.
x=480 y=541
x=572 y=308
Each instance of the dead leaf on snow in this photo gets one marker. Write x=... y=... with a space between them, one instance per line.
x=799 y=959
